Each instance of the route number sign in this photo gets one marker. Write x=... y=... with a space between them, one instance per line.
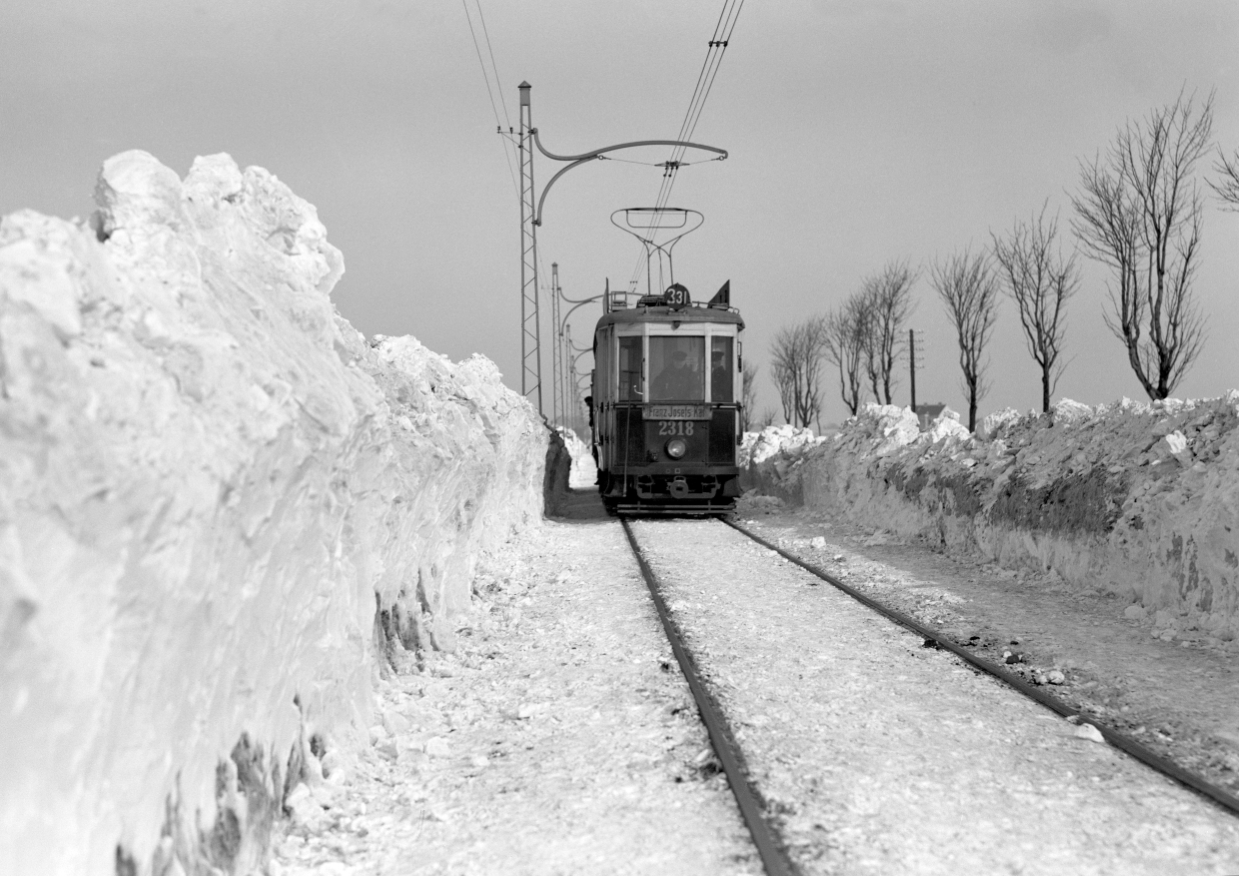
x=677 y=296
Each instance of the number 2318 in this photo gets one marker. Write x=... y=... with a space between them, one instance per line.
x=675 y=427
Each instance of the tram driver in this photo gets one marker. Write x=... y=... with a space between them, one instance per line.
x=678 y=380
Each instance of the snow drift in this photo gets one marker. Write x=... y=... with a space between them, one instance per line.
x=1137 y=500
x=220 y=509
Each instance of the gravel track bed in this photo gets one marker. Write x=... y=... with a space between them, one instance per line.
x=881 y=756
x=560 y=738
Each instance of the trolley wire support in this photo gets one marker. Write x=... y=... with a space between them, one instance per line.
x=770 y=848
x=531 y=219
x=1124 y=743
x=595 y=154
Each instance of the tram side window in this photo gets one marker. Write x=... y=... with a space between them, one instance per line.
x=722 y=373
x=630 y=369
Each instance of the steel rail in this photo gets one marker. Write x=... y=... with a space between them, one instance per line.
x=1121 y=741
x=773 y=854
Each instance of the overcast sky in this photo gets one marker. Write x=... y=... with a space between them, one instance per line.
x=859 y=131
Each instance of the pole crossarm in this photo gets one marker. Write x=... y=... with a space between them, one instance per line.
x=578 y=160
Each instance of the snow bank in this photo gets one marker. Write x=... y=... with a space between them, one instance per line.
x=220 y=508
x=1138 y=500
x=770 y=460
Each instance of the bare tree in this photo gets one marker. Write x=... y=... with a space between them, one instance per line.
x=1228 y=186
x=748 y=395
x=887 y=302
x=796 y=366
x=784 y=380
x=1040 y=281
x=969 y=290
x=1139 y=211
x=766 y=419
x=862 y=302
x=845 y=335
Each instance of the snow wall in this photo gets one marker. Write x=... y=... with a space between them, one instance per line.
x=1136 y=500
x=221 y=512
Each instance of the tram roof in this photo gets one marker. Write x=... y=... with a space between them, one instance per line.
x=663 y=314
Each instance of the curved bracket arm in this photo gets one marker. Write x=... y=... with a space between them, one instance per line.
x=598 y=153
x=563 y=322
x=594 y=153
x=566 y=300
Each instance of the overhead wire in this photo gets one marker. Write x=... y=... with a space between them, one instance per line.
x=719 y=41
x=490 y=50
x=509 y=147
x=487 y=73
x=729 y=14
x=705 y=82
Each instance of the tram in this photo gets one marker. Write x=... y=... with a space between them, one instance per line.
x=665 y=404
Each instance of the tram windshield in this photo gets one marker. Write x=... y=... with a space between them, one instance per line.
x=678 y=366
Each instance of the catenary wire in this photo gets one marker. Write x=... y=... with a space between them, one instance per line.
x=486 y=76
x=495 y=67
x=729 y=14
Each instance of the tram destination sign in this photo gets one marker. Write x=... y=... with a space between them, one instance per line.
x=676 y=412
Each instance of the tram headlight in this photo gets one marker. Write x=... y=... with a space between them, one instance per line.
x=677 y=447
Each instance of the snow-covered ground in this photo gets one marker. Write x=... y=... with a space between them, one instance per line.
x=249 y=559
x=1132 y=499
x=222 y=514
x=557 y=739
x=875 y=754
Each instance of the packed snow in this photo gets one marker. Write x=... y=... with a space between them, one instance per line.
x=1134 y=499
x=223 y=511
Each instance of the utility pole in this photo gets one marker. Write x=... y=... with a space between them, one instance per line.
x=569 y=378
x=531 y=218
x=912 y=364
x=531 y=335
x=557 y=400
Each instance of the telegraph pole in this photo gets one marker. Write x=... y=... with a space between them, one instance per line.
x=912 y=364
x=557 y=400
x=531 y=335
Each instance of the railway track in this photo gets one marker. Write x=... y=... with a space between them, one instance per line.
x=770 y=845
x=797 y=692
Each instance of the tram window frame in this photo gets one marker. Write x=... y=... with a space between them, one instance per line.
x=726 y=344
x=629 y=389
